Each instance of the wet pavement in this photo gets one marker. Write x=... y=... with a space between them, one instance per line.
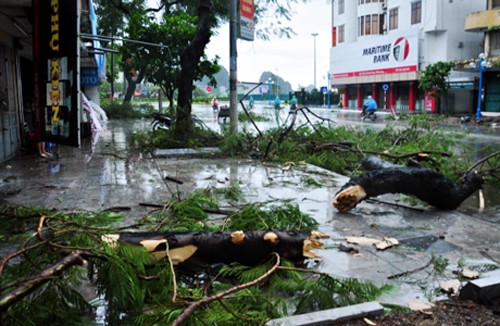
x=106 y=174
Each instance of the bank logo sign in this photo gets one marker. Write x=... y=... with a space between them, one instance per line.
x=401 y=49
x=384 y=54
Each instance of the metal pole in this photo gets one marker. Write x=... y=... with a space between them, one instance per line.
x=314 y=35
x=480 y=91
x=329 y=90
x=233 y=91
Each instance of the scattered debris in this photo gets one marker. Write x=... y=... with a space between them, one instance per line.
x=420 y=306
x=468 y=273
x=452 y=287
x=379 y=244
x=387 y=243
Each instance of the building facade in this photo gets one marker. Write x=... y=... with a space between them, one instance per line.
x=380 y=48
x=40 y=76
x=487 y=24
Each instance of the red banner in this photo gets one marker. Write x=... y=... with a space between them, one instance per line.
x=372 y=72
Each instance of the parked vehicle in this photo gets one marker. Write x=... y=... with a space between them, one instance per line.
x=160 y=121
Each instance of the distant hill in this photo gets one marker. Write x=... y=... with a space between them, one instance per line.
x=284 y=87
x=222 y=78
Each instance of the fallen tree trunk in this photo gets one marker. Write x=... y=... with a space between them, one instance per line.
x=248 y=248
x=427 y=185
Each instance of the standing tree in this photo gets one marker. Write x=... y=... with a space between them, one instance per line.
x=161 y=63
x=434 y=79
x=209 y=15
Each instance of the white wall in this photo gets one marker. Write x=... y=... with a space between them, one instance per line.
x=439 y=33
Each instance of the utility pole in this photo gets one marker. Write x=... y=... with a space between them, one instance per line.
x=233 y=90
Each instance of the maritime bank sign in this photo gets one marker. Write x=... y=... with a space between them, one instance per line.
x=381 y=55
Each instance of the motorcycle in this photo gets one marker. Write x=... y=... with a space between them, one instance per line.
x=368 y=114
x=161 y=121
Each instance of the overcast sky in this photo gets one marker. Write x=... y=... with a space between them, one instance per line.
x=291 y=59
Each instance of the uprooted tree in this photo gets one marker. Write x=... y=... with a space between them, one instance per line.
x=426 y=184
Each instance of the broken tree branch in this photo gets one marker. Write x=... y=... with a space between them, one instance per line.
x=25 y=288
x=427 y=185
x=195 y=305
x=481 y=161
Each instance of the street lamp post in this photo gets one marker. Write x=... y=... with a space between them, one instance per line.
x=314 y=35
x=482 y=64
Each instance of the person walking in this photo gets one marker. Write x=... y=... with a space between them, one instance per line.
x=215 y=104
x=277 y=103
x=251 y=102
x=294 y=103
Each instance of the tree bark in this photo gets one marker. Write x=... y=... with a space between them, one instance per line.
x=245 y=247
x=131 y=85
x=190 y=58
x=427 y=185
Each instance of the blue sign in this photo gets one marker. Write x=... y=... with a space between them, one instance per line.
x=385 y=87
x=88 y=76
x=323 y=89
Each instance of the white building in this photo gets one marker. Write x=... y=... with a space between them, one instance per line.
x=380 y=47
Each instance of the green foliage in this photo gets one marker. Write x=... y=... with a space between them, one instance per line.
x=283 y=217
x=187 y=214
x=439 y=263
x=55 y=303
x=243 y=117
x=149 y=140
x=118 y=279
x=328 y=292
x=126 y=110
x=434 y=77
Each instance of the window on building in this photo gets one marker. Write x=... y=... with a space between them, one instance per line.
x=416 y=12
x=495 y=42
x=341 y=35
x=375 y=28
x=393 y=18
x=361 y=26
x=495 y=4
x=370 y=25
x=341 y=7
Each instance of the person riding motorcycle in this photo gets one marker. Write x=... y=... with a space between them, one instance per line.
x=369 y=106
